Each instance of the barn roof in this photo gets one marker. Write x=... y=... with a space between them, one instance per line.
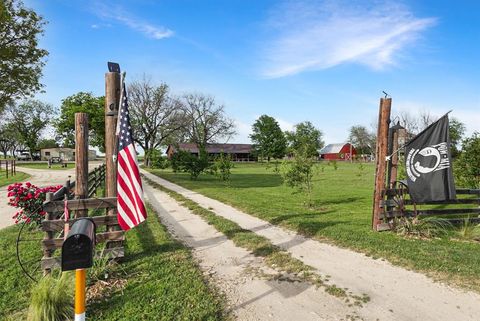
x=332 y=148
x=217 y=148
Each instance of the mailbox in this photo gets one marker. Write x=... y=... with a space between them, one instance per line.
x=78 y=248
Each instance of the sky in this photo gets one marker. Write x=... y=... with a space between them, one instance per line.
x=322 y=61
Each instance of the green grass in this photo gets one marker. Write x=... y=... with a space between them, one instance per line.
x=44 y=165
x=162 y=281
x=341 y=215
x=19 y=177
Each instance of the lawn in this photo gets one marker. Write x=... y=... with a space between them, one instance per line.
x=44 y=165
x=19 y=177
x=341 y=215
x=163 y=281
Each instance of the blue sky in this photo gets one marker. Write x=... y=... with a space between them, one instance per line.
x=322 y=61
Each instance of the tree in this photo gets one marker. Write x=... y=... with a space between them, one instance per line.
x=9 y=139
x=47 y=143
x=305 y=139
x=299 y=175
x=268 y=139
x=29 y=119
x=21 y=61
x=155 y=116
x=456 y=130
x=82 y=102
x=205 y=120
x=467 y=167
x=363 y=140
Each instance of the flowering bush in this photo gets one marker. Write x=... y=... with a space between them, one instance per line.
x=29 y=199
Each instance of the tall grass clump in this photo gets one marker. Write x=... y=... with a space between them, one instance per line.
x=52 y=299
x=427 y=227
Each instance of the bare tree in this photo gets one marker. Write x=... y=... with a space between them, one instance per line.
x=363 y=140
x=205 y=120
x=154 y=114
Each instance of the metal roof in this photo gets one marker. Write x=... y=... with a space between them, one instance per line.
x=217 y=148
x=332 y=148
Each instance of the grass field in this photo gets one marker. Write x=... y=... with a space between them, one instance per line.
x=44 y=165
x=19 y=177
x=341 y=215
x=162 y=281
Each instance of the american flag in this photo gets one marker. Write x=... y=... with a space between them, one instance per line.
x=130 y=204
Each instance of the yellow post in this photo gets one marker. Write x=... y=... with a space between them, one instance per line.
x=80 y=276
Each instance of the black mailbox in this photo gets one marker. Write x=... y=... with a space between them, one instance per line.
x=78 y=248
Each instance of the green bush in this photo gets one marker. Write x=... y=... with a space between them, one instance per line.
x=222 y=165
x=184 y=161
x=299 y=175
x=467 y=166
x=52 y=299
x=157 y=160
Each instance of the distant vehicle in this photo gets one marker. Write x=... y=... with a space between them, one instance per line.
x=55 y=160
x=24 y=156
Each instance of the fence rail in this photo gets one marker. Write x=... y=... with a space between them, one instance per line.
x=396 y=204
x=54 y=221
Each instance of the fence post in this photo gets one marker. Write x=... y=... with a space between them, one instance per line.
x=6 y=168
x=381 y=153
x=11 y=168
x=15 y=167
x=112 y=98
x=81 y=159
x=47 y=253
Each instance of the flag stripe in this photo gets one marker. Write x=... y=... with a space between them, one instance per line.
x=130 y=204
x=128 y=183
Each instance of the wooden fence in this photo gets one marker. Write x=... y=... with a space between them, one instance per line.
x=54 y=222
x=9 y=166
x=396 y=203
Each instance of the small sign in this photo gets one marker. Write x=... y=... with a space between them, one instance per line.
x=113 y=67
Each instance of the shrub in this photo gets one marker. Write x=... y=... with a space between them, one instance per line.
x=157 y=160
x=184 y=161
x=52 y=299
x=29 y=199
x=299 y=175
x=222 y=165
x=467 y=166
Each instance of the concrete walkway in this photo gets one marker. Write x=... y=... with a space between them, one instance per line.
x=396 y=294
x=40 y=178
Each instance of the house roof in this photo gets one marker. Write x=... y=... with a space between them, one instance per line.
x=332 y=148
x=216 y=148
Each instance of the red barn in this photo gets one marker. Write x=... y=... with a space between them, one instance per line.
x=342 y=151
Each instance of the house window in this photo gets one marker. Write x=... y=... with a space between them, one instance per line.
x=47 y=153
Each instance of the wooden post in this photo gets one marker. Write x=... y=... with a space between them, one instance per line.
x=112 y=98
x=381 y=153
x=6 y=168
x=47 y=253
x=394 y=160
x=81 y=159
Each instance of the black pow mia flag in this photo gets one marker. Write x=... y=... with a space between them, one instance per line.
x=429 y=164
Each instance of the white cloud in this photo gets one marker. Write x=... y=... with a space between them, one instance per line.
x=151 y=31
x=118 y=14
x=285 y=125
x=315 y=35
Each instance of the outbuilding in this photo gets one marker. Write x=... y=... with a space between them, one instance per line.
x=238 y=152
x=343 y=151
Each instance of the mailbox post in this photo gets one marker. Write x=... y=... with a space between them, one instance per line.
x=77 y=254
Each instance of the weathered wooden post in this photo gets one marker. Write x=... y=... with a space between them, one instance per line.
x=81 y=159
x=47 y=252
x=381 y=154
x=112 y=98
